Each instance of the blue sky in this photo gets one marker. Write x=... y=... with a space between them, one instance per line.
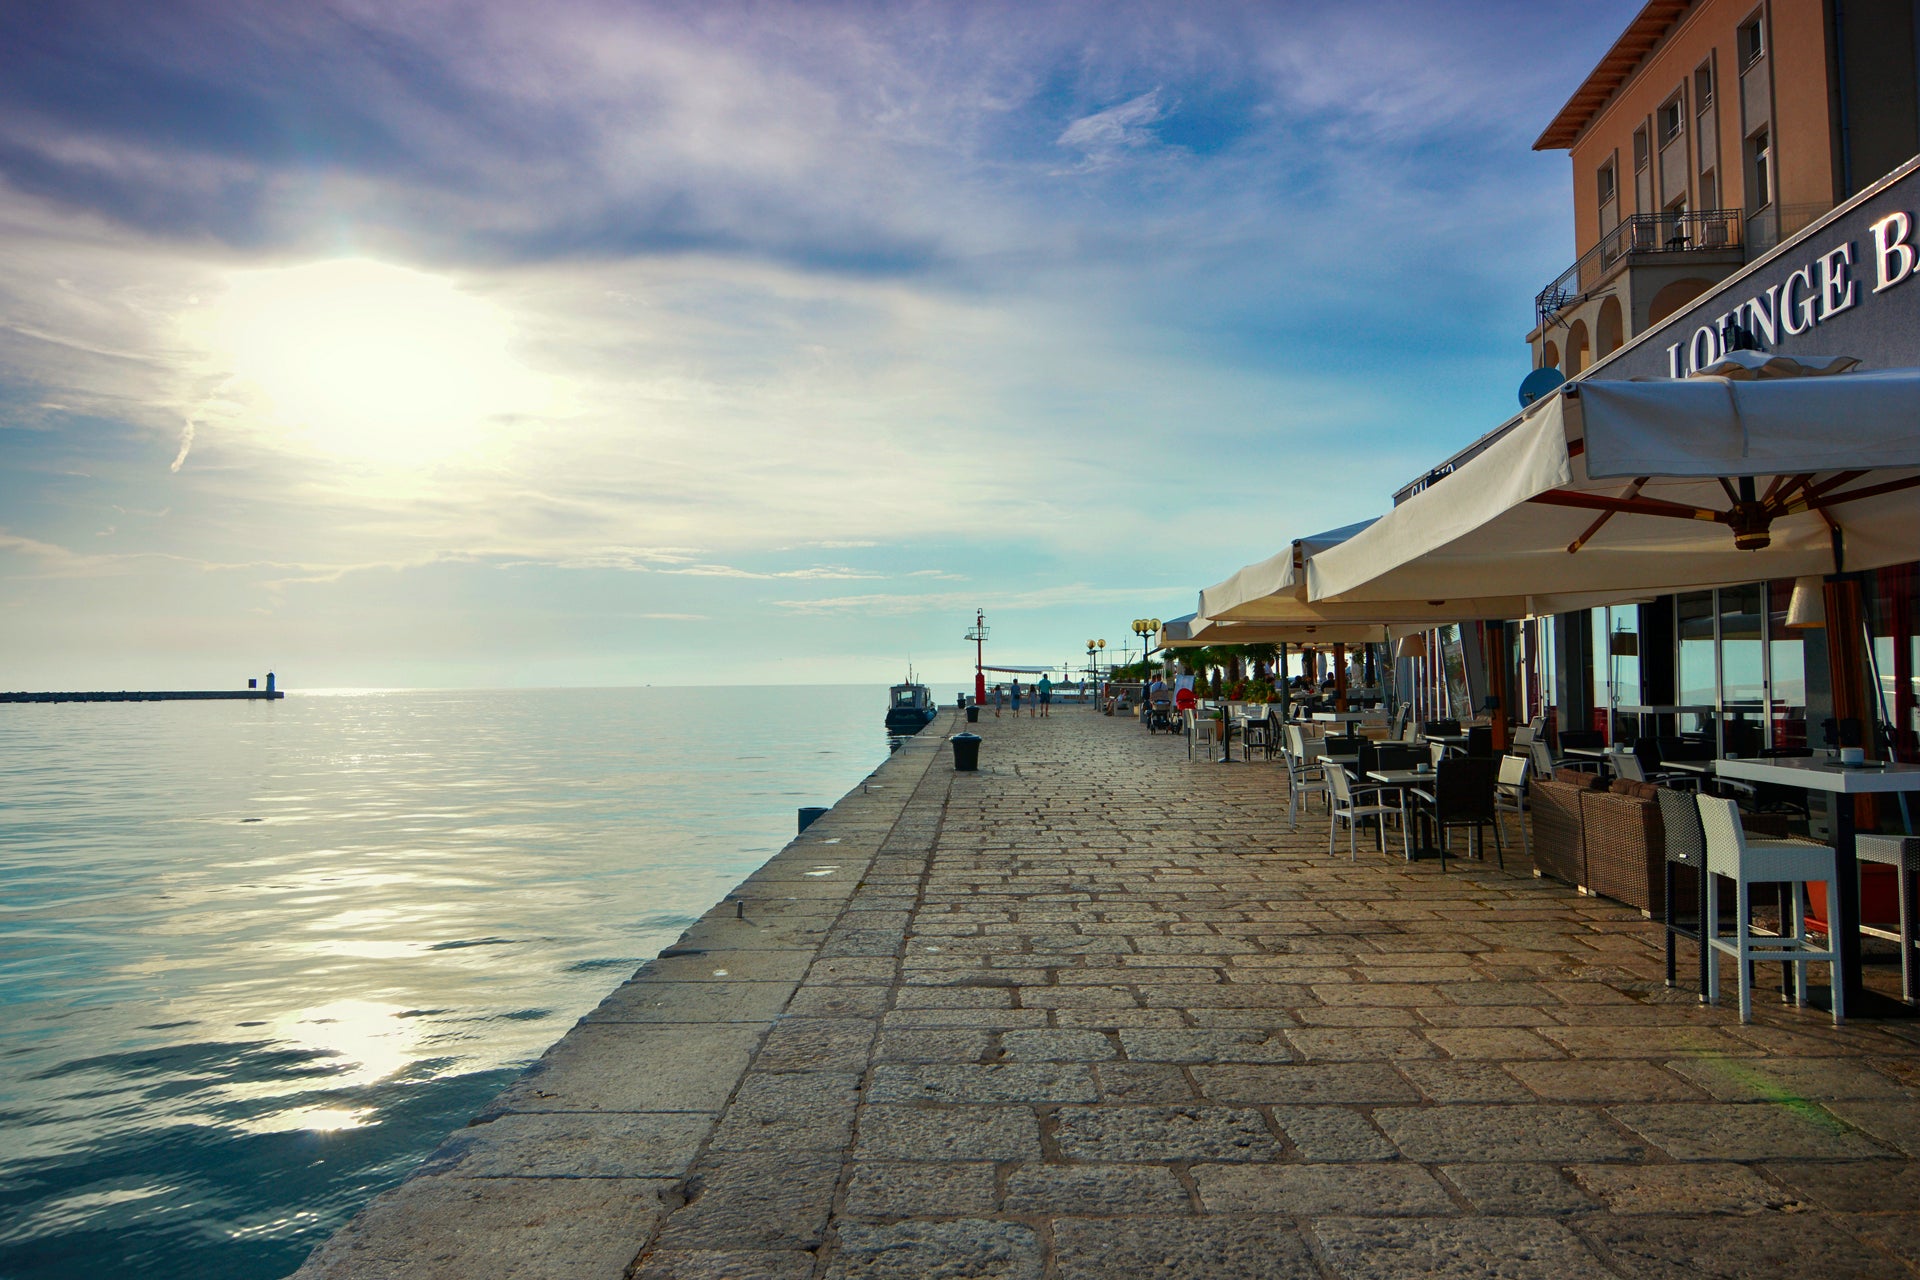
x=606 y=343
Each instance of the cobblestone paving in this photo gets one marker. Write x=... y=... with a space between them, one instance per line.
x=1095 y=1012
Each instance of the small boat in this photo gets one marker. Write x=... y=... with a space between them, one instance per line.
x=909 y=707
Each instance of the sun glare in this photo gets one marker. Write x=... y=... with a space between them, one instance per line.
x=368 y=361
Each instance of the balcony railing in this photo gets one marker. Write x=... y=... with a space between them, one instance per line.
x=1713 y=230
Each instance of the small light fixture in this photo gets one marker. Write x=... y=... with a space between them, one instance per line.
x=1413 y=646
x=1808 y=607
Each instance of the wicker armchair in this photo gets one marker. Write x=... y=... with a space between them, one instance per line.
x=1559 y=849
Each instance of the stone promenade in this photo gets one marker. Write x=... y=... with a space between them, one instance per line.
x=1094 y=1012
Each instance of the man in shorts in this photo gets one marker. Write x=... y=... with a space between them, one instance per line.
x=1045 y=690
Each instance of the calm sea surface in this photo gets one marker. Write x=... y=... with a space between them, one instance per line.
x=257 y=958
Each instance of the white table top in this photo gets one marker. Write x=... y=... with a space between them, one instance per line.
x=1402 y=777
x=1589 y=753
x=1820 y=774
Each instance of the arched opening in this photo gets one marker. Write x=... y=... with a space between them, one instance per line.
x=1579 y=350
x=1675 y=296
x=1549 y=355
x=1608 y=329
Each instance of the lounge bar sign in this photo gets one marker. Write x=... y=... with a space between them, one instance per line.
x=1835 y=282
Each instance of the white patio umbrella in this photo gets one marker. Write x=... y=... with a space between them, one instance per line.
x=1274 y=592
x=1193 y=631
x=1645 y=487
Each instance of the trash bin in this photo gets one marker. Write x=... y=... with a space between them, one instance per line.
x=966 y=752
x=973 y=715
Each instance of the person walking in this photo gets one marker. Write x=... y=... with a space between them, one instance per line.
x=1045 y=690
x=999 y=696
x=1016 y=695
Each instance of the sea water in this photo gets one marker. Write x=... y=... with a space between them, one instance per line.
x=257 y=958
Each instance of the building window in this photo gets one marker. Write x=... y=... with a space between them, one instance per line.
x=1753 y=42
x=1642 y=153
x=1671 y=120
x=1760 y=151
x=1609 y=195
x=1703 y=88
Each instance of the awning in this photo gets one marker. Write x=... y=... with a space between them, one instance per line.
x=1640 y=487
x=1194 y=631
x=1274 y=592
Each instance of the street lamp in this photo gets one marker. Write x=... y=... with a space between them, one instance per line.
x=1144 y=627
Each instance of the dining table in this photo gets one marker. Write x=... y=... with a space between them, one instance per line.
x=1403 y=780
x=1841 y=781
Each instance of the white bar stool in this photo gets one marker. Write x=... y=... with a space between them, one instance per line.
x=1749 y=862
x=1902 y=853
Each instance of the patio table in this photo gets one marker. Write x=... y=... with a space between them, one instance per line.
x=1402 y=780
x=1842 y=782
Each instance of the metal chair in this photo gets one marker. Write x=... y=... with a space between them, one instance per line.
x=1902 y=853
x=1462 y=796
x=1258 y=732
x=1510 y=795
x=1345 y=805
x=1749 y=862
x=1202 y=732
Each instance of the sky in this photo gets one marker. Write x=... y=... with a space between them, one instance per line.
x=474 y=343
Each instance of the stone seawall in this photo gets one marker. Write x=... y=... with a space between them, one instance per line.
x=569 y=1171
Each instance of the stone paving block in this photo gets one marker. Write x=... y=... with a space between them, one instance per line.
x=1357 y=1016
x=1142 y=1082
x=1079 y=997
x=1755 y=1247
x=693 y=964
x=801 y=1111
x=1519 y=1190
x=899 y=1189
x=751 y=1200
x=1038 y=1082
x=1467 y=1132
x=1280 y=1085
x=985 y=1019
x=875 y=969
x=1056 y=1046
x=634 y=1067
x=726 y=1264
x=1361 y=1044
x=1604 y=1080
x=1646 y=1042
x=574 y=1145
x=1148 y=1248
x=948 y=1133
x=1460 y=1249
x=1486 y=1015
x=1310 y=1189
x=1453 y=1082
x=1895 y=1233
x=1493 y=1044
x=963 y=1249
x=1785 y=1079
x=1332 y=1133
x=1156 y=1019
x=1682 y=1188
x=652 y=1000
x=816 y=1044
x=1746 y=1131
x=839 y=1000
x=1111 y=1189
x=933 y=1046
x=1853 y=1186
x=1162 y=1133
x=437 y=1228
x=1205 y=1046
x=956 y=997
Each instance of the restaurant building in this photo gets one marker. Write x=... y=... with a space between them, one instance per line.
x=1743 y=176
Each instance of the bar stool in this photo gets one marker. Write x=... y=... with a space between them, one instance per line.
x=1902 y=853
x=1746 y=863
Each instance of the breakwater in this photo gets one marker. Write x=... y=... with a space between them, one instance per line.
x=150 y=695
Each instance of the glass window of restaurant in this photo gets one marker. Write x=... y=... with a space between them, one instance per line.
x=1895 y=618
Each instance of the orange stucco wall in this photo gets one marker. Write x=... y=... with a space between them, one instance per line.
x=1802 y=136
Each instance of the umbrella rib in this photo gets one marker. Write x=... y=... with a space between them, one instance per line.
x=1821 y=503
x=1633 y=491
x=1781 y=501
x=1630 y=506
x=1828 y=485
x=1732 y=495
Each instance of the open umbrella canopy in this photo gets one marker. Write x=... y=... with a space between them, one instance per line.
x=1637 y=487
x=1274 y=592
x=1194 y=631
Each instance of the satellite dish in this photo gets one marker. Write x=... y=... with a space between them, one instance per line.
x=1538 y=383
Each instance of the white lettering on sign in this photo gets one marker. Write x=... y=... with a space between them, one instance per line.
x=1812 y=295
x=1836 y=284
x=1892 y=255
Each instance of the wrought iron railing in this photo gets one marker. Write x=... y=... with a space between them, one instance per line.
x=1714 y=230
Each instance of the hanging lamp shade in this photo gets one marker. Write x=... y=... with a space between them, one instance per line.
x=1413 y=646
x=1808 y=607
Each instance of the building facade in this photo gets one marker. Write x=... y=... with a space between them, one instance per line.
x=1711 y=131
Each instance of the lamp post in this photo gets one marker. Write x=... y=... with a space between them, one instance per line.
x=978 y=634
